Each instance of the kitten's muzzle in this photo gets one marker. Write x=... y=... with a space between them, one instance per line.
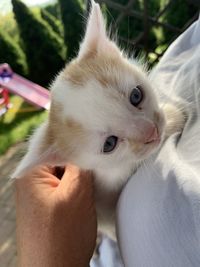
x=148 y=139
x=148 y=132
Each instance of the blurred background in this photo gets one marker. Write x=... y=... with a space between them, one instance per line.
x=38 y=37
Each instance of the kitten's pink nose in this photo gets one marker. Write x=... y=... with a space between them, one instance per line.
x=153 y=136
x=147 y=131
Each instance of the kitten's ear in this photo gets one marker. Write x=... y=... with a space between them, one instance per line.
x=95 y=35
x=34 y=158
x=50 y=155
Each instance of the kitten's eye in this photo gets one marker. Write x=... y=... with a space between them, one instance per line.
x=110 y=144
x=136 y=96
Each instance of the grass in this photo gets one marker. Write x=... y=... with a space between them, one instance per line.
x=18 y=123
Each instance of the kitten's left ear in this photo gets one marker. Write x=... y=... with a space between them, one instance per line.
x=95 y=36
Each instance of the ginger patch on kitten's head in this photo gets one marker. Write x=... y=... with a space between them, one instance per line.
x=104 y=68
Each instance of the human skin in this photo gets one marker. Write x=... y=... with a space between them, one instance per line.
x=56 y=219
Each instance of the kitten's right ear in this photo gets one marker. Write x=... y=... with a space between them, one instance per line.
x=37 y=156
x=32 y=159
x=95 y=35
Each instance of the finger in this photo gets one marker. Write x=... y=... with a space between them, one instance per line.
x=39 y=175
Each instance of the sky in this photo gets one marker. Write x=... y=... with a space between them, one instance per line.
x=5 y=5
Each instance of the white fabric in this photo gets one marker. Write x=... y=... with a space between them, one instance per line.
x=109 y=255
x=159 y=209
x=158 y=217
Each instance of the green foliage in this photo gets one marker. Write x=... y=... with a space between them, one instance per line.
x=53 y=9
x=44 y=49
x=9 y=26
x=11 y=53
x=55 y=24
x=72 y=17
x=158 y=38
x=18 y=123
x=128 y=27
x=178 y=14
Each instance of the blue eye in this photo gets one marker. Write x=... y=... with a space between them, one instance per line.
x=136 y=96
x=110 y=144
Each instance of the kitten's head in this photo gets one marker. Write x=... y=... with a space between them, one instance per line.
x=104 y=113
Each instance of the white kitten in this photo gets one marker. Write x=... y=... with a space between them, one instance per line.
x=104 y=116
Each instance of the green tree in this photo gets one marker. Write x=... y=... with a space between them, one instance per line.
x=128 y=27
x=53 y=9
x=11 y=53
x=44 y=49
x=72 y=17
x=55 y=24
x=179 y=13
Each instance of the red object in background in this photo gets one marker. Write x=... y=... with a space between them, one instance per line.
x=4 y=100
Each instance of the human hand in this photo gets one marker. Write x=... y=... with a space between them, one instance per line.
x=56 y=219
